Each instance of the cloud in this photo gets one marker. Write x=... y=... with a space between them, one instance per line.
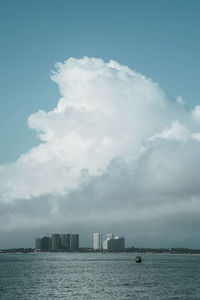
x=115 y=152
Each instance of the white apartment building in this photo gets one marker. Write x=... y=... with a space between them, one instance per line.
x=97 y=241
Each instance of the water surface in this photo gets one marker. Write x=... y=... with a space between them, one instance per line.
x=98 y=276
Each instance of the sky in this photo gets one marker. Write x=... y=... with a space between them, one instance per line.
x=100 y=121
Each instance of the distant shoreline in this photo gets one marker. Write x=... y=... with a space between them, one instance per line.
x=184 y=251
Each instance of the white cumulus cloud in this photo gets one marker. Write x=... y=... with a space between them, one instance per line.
x=109 y=113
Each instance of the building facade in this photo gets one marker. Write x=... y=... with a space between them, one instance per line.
x=74 y=242
x=42 y=244
x=58 y=242
x=112 y=243
x=116 y=244
x=65 y=241
x=105 y=242
x=55 y=242
x=97 y=241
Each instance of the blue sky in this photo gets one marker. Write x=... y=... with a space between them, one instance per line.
x=160 y=39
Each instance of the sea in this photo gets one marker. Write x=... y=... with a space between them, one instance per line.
x=109 y=276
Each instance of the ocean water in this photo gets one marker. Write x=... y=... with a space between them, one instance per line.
x=98 y=276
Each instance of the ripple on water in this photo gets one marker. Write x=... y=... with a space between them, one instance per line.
x=96 y=276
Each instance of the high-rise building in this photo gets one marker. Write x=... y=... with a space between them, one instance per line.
x=116 y=244
x=42 y=244
x=97 y=241
x=58 y=242
x=65 y=241
x=112 y=243
x=38 y=244
x=74 y=241
x=55 y=242
x=108 y=237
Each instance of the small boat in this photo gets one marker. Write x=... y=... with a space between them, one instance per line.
x=138 y=259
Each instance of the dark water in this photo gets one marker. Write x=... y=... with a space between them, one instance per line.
x=98 y=276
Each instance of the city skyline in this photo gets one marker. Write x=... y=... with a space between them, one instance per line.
x=69 y=242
